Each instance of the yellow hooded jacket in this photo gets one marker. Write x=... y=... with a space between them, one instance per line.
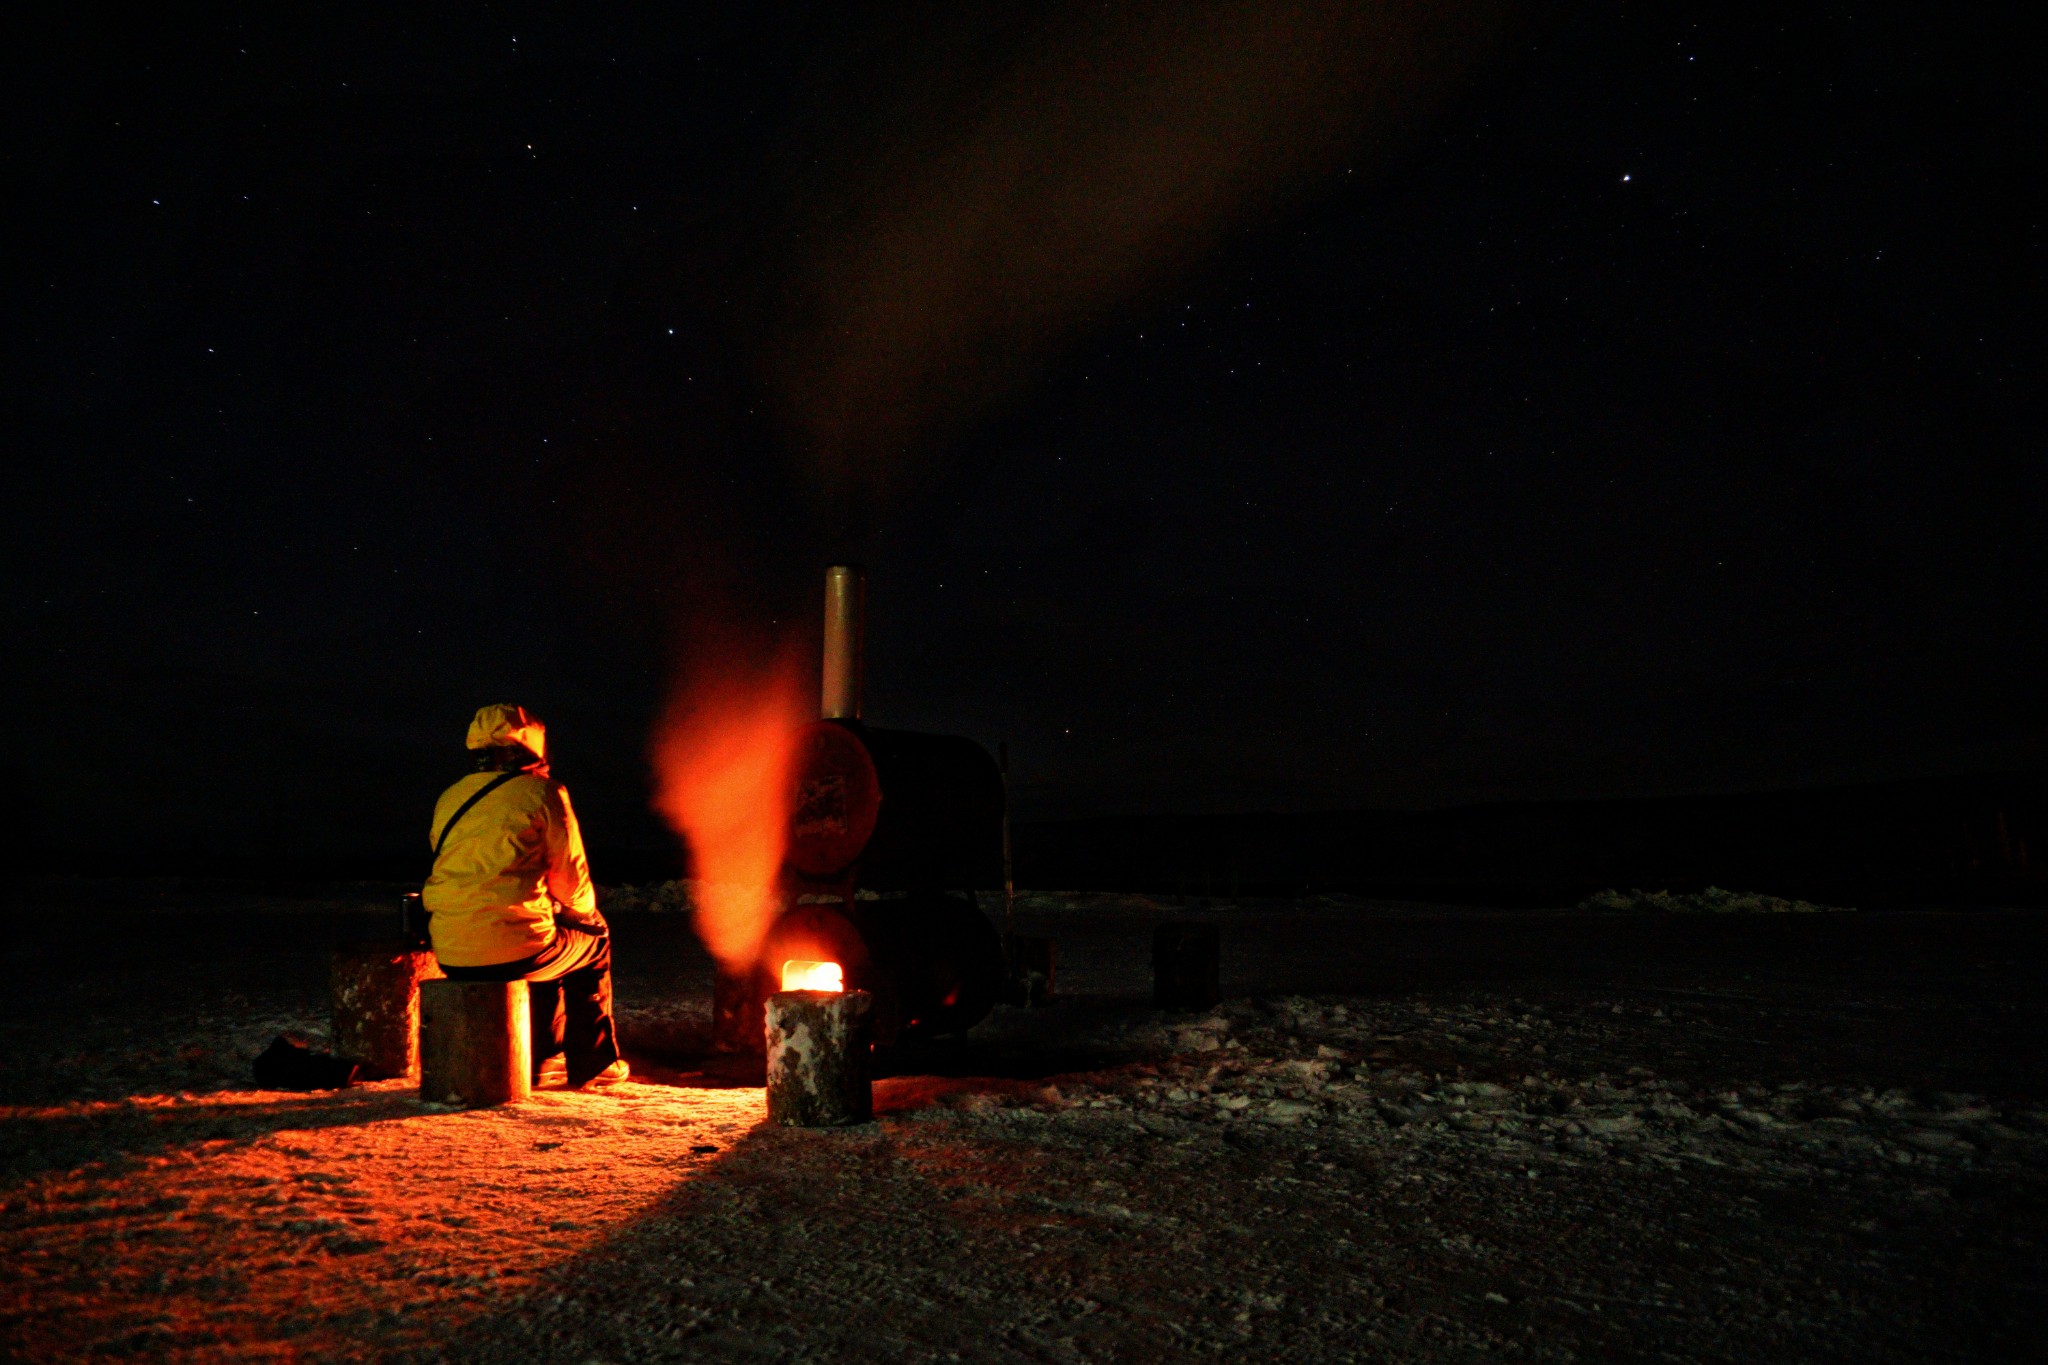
x=510 y=860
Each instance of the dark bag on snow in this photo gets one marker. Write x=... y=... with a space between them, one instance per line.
x=288 y=1064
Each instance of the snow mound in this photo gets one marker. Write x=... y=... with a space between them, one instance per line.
x=1712 y=901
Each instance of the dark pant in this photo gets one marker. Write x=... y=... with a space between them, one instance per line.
x=572 y=999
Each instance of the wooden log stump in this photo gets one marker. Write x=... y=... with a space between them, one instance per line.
x=373 y=995
x=818 y=1053
x=1032 y=961
x=476 y=1042
x=1186 y=956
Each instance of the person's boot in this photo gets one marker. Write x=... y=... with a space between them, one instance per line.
x=610 y=1076
x=551 y=1072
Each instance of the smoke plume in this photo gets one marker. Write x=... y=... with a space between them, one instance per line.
x=1025 y=174
x=721 y=756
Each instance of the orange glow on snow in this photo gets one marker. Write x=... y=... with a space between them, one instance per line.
x=439 y=1215
x=799 y=975
x=721 y=765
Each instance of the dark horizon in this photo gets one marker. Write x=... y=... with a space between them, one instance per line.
x=1649 y=404
x=1972 y=841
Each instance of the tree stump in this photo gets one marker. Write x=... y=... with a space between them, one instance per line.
x=818 y=1052
x=1031 y=962
x=1185 y=965
x=476 y=1042
x=373 y=993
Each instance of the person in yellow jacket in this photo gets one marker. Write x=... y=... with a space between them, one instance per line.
x=510 y=897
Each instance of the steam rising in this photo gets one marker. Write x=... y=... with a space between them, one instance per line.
x=1000 y=207
x=721 y=759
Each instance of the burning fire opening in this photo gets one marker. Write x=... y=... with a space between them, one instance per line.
x=799 y=975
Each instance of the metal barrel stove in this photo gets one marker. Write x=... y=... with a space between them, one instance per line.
x=891 y=833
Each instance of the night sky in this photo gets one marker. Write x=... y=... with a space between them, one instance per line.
x=1579 y=401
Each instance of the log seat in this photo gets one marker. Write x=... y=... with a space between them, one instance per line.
x=476 y=1042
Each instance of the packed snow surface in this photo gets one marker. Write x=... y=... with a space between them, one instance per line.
x=1512 y=1136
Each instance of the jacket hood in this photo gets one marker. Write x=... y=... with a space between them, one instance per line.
x=496 y=726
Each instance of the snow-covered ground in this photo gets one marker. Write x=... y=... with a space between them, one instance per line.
x=1407 y=1133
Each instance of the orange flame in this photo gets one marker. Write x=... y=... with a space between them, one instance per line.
x=721 y=767
x=799 y=975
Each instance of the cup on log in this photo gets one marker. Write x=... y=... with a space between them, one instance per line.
x=476 y=1042
x=373 y=996
x=818 y=1054
x=1185 y=965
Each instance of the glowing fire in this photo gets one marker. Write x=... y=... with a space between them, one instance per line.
x=799 y=975
x=721 y=761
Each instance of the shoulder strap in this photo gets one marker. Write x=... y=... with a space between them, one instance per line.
x=481 y=792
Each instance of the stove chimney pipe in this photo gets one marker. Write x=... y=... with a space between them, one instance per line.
x=846 y=609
